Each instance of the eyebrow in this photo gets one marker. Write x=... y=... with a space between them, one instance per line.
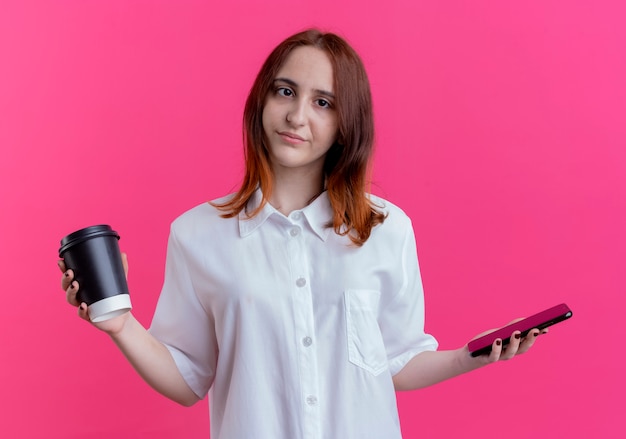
x=295 y=85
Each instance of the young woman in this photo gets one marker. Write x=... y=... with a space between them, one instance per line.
x=295 y=303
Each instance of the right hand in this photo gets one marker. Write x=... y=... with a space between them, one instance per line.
x=70 y=286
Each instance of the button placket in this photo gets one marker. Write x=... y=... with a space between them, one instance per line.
x=304 y=324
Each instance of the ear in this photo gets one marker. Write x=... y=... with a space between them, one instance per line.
x=339 y=141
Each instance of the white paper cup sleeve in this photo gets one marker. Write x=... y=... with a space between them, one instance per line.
x=109 y=307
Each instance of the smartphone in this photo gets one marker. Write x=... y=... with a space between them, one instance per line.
x=541 y=320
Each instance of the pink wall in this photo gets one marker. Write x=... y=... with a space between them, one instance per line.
x=500 y=131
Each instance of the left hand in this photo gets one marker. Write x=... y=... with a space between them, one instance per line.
x=517 y=345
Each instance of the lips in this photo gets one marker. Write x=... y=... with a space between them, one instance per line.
x=290 y=137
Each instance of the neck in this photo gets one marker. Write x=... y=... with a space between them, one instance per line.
x=295 y=192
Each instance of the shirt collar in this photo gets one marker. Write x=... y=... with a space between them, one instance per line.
x=318 y=214
x=248 y=225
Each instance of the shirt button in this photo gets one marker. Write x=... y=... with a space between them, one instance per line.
x=311 y=400
x=307 y=341
x=295 y=231
x=301 y=282
x=297 y=216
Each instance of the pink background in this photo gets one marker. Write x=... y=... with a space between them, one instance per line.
x=501 y=132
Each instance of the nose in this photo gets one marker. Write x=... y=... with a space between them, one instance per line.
x=296 y=114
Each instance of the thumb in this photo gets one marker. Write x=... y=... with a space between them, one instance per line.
x=125 y=263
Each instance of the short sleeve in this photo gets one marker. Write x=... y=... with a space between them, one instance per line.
x=180 y=321
x=402 y=319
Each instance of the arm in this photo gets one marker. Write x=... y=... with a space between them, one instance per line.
x=149 y=357
x=153 y=361
x=431 y=367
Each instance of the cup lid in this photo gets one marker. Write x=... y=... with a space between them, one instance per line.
x=84 y=234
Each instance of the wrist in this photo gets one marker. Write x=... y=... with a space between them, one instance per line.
x=117 y=327
x=465 y=361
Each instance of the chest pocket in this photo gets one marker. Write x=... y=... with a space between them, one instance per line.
x=365 y=342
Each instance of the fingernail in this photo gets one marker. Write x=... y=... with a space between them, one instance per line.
x=517 y=336
x=72 y=286
x=498 y=342
x=535 y=334
x=67 y=274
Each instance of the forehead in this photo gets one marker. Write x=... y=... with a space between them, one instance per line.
x=309 y=67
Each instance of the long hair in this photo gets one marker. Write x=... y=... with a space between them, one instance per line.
x=347 y=162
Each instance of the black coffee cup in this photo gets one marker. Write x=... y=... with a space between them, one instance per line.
x=93 y=254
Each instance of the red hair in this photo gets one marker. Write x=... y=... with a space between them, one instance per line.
x=347 y=161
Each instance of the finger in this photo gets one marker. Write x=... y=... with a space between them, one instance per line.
x=71 y=292
x=67 y=279
x=512 y=347
x=528 y=341
x=496 y=350
x=83 y=312
x=61 y=264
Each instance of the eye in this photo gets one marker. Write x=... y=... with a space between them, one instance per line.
x=284 y=91
x=323 y=103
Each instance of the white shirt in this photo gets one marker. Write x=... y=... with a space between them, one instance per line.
x=294 y=332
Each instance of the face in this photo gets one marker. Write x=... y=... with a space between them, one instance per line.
x=299 y=117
